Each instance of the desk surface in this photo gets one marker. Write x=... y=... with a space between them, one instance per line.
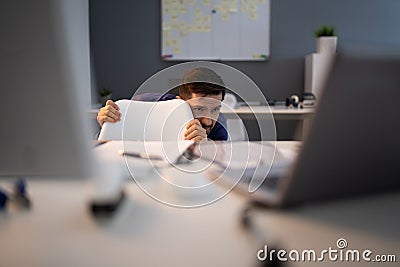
x=273 y=109
x=59 y=231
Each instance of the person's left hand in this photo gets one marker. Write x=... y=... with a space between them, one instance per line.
x=195 y=132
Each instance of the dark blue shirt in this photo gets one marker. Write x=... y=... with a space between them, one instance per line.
x=218 y=132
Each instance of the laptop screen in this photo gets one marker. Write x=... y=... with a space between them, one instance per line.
x=353 y=145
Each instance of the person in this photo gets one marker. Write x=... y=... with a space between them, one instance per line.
x=203 y=90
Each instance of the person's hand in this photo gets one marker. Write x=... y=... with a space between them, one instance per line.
x=109 y=113
x=195 y=132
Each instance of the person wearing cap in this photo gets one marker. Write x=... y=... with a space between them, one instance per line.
x=203 y=89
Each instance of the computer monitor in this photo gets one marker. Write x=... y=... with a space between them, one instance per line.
x=45 y=72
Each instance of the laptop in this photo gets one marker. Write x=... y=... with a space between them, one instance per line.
x=353 y=145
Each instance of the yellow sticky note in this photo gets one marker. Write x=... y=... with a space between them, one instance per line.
x=225 y=17
x=166 y=26
x=198 y=12
x=176 y=51
x=183 y=10
x=166 y=33
x=198 y=20
x=174 y=25
x=253 y=16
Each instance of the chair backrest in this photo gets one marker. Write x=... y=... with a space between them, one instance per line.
x=149 y=121
x=230 y=100
x=236 y=128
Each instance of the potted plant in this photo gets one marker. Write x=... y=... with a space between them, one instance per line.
x=105 y=94
x=327 y=39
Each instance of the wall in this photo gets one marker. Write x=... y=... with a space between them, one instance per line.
x=125 y=38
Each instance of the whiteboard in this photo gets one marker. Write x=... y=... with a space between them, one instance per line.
x=215 y=29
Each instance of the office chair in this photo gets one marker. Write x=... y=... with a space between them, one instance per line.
x=236 y=128
x=149 y=121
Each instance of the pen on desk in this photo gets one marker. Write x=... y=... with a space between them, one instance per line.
x=141 y=155
x=99 y=143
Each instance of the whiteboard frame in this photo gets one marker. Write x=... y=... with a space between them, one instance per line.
x=261 y=58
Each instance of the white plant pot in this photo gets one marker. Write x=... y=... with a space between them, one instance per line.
x=326 y=44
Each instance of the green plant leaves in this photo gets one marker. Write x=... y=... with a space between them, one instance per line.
x=325 y=31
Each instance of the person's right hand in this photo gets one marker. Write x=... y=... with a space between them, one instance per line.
x=109 y=113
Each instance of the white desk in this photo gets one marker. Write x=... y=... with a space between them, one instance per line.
x=59 y=231
x=277 y=113
x=365 y=223
x=304 y=115
x=263 y=112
